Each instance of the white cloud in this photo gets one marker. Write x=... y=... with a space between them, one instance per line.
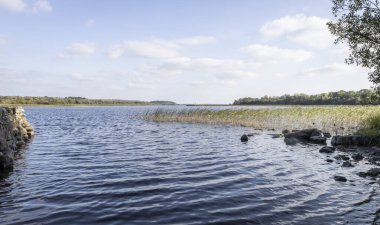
x=331 y=70
x=79 y=49
x=147 y=49
x=157 y=48
x=306 y=30
x=13 y=5
x=150 y=49
x=3 y=39
x=22 y=6
x=221 y=69
x=42 y=6
x=270 y=54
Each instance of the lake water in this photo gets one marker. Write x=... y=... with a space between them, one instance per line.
x=105 y=165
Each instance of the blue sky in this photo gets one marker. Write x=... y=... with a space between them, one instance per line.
x=199 y=51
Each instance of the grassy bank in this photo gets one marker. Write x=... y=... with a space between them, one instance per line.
x=335 y=119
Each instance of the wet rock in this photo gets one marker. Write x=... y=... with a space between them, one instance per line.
x=374 y=172
x=357 y=157
x=20 y=144
x=291 y=141
x=15 y=131
x=276 y=135
x=362 y=174
x=340 y=178
x=347 y=164
x=318 y=140
x=316 y=133
x=244 y=138
x=286 y=131
x=329 y=160
x=327 y=149
x=342 y=157
x=307 y=135
x=302 y=134
x=354 y=140
x=341 y=140
x=326 y=134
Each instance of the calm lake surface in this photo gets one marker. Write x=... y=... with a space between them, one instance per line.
x=105 y=165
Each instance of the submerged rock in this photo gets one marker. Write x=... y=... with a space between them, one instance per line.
x=329 y=160
x=342 y=157
x=340 y=178
x=291 y=141
x=357 y=157
x=347 y=164
x=374 y=172
x=244 y=138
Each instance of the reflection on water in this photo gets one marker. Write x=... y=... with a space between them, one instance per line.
x=104 y=165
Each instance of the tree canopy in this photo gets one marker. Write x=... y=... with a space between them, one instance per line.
x=358 y=25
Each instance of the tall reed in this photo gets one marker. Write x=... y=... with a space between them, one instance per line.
x=345 y=119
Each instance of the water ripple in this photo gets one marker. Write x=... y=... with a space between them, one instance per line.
x=104 y=165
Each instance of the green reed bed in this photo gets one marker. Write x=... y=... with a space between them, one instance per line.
x=337 y=119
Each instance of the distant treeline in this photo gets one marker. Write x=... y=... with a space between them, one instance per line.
x=362 y=97
x=26 y=100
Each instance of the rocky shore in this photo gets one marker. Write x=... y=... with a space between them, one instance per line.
x=15 y=132
x=346 y=151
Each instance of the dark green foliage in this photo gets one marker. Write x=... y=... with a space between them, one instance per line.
x=19 y=100
x=362 y=97
x=358 y=25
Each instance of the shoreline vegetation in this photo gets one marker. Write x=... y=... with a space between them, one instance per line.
x=362 y=97
x=73 y=101
x=339 y=120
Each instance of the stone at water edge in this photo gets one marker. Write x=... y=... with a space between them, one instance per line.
x=318 y=140
x=15 y=131
x=327 y=149
x=244 y=138
x=340 y=178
